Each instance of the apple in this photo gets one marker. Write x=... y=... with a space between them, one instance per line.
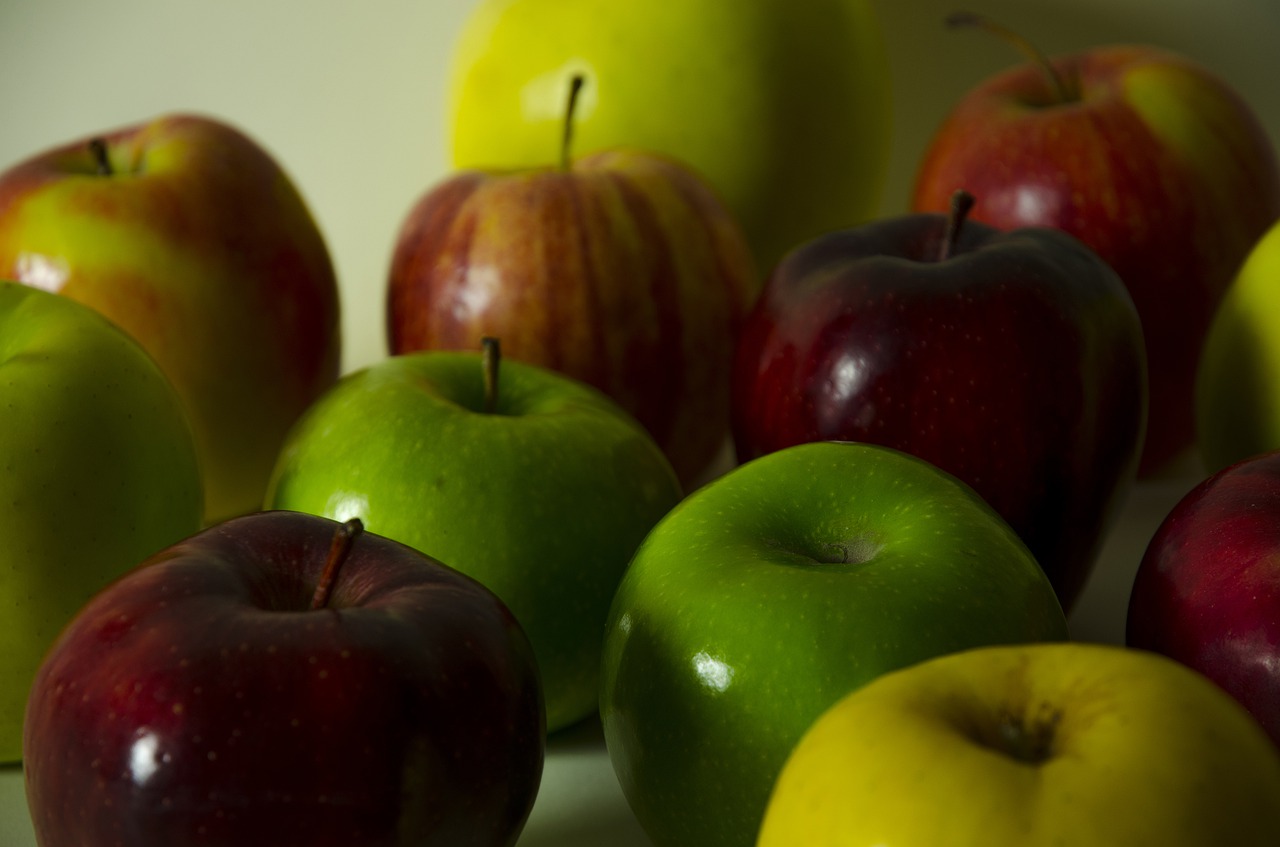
x=771 y=592
x=1207 y=591
x=1148 y=158
x=282 y=679
x=1238 y=379
x=783 y=107
x=188 y=234
x=1031 y=746
x=536 y=485
x=620 y=269
x=1012 y=360
x=98 y=469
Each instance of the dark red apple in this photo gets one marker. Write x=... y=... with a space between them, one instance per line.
x=1014 y=361
x=1207 y=592
x=284 y=679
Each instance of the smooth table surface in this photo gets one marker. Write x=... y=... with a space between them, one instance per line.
x=580 y=803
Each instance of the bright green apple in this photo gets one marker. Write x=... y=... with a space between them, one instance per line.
x=770 y=593
x=1238 y=381
x=98 y=470
x=1043 y=745
x=542 y=496
x=782 y=106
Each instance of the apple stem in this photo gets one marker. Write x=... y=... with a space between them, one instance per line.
x=961 y=202
x=490 y=357
x=98 y=147
x=1062 y=89
x=566 y=141
x=343 y=537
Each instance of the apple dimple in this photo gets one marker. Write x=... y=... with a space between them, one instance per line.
x=853 y=551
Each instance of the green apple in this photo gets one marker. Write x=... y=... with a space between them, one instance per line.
x=1238 y=382
x=536 y=485
x=770 y=593
x=189 y=235
x=1069 y=745
x=783 y=107
x=98 y=469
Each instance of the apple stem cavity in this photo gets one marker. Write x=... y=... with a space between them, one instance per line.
x=1062 y=89
x=566 y=140
x=102 y=163
x=490 y=360
x=961 y=203
x=343 y=537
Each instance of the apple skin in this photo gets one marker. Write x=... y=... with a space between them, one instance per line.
x=200 y=699
x=1016 y=365
x=1160 y=168
x=739 y=620
x=1031 y=746
x=543 y=501
x=727 y=88
x=200 y=247
x=1238 y=380
x=623 y=271
x=1207 y=592
x=98 y=469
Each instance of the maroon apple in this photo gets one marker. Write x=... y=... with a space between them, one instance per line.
x=1011 y=360
x=284 y=679
x=621 y=269
x=1145 y=156
x=1207 y=592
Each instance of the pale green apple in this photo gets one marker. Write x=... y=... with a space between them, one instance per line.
x=98 y=470
x=543 y=499
x=1043 y=745
x=1238 y=381
x=782 y=106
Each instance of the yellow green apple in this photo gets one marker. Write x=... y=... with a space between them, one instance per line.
x=1032 y=745
x=98 y=469
x=1238 y=381
x=782 y=106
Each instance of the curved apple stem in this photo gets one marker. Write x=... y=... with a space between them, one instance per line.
x=98 y=147
x=343 y=537
x=961 y=202
x=490 y=358
x=566 y=140
x=1062 y=88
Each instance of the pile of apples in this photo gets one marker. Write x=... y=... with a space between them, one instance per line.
x=794 y=500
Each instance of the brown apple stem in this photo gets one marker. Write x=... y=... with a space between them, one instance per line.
x=98 y=147
x=961 y=202
x=566 y=141
x=1062 y=89
x=343 y=537
x=490 y=358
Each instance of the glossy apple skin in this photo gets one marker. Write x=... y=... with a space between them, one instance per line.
x=1137 y=750
x=200 y=247
x=784 y=108
x=1207 y=592
x=773 y=591
x=98 y=470
x=1015 y=365
x=1160 y=168
x=199 y=700
x=624 y=272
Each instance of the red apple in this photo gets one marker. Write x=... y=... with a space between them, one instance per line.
x=188 y=235
x=1207 y=592
x=283 y=679
x=1011 y=360
x=1145 y=156
x=621 y=269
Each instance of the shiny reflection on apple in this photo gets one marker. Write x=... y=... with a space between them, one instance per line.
x=713 y=671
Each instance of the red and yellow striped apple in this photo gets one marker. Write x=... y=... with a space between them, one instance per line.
x=189 y=235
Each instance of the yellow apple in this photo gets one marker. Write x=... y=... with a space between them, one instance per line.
x=1238 y=382
x=1065 y=744
x=782 y=106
